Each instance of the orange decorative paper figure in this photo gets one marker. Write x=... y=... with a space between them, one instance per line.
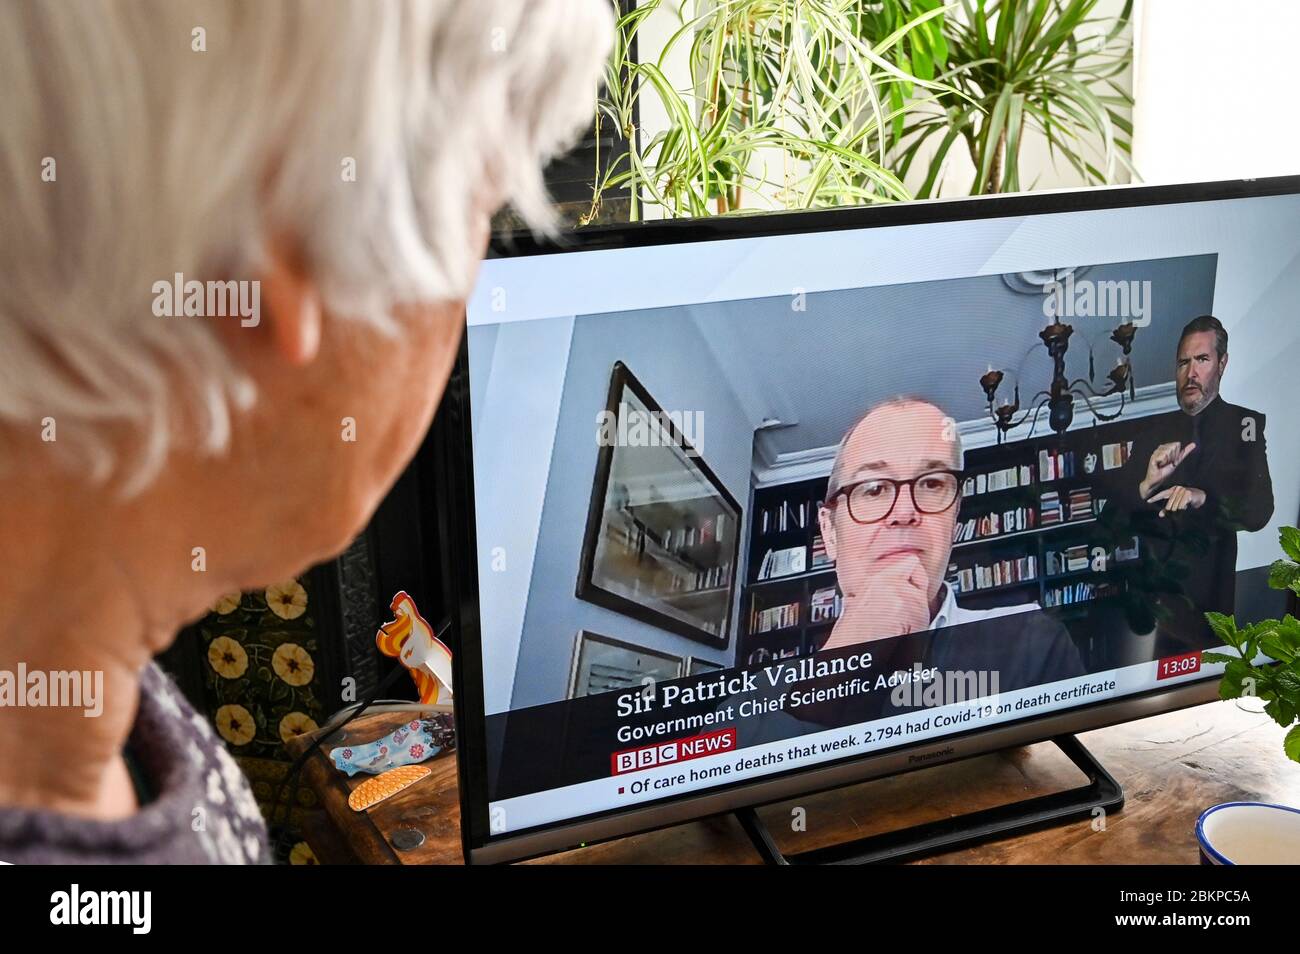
x=411 y=639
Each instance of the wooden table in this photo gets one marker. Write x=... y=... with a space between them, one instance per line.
x=1172 y=767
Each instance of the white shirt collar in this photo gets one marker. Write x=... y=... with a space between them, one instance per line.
x=950 y=614
x=947 y=609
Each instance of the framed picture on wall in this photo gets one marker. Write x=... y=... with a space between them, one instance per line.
x=695 y=666
x=662 y=537
x=604 y=664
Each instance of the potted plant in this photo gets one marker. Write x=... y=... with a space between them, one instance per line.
x=788 y=98
x=1051 y=66
x=1277 y=684
x=799 y=104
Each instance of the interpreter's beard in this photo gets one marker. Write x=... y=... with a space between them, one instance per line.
x=1193 y=398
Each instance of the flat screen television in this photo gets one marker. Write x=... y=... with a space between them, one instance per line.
x=736 y=509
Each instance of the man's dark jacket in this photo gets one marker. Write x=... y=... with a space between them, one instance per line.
x=1230 y=465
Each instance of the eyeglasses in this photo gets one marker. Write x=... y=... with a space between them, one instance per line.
x=872 y=500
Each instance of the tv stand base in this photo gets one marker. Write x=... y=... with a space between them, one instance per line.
x=1102 y=791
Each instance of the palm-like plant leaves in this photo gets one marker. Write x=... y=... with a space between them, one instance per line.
x=846 y=96
x=1046 y=65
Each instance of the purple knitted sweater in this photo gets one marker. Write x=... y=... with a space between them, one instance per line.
x=203 y=811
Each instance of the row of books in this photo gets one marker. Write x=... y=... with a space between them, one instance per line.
x=1055 y=464
x=677 y=572
x=793 y=560
x=1072 y=560
x=825 y=604
x=633 y=533
x=709 y=530
x=787 y=515
x=779 y=563
x=995 y=524
x=773 y=618
x=1085 y=557
x=1077 y=505
x=1114 y=456
x=820 y=558
x=1066 y=595
x=983 y=576
x=996 y=480
x=1052 y=465
x=711 y=578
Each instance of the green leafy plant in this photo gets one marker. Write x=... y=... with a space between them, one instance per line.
x=1013 y=65
x=790 y=97
x=1277 y=684
x=829 y=102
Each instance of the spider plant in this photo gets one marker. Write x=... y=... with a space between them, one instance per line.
x=1013 y=65
x=788 y=98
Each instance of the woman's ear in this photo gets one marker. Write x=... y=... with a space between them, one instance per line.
x=292 y=305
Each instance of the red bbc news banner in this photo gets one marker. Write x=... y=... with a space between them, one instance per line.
x=1172 y=666
x=678 y=750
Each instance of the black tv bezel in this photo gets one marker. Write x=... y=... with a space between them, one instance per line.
x=450 y=450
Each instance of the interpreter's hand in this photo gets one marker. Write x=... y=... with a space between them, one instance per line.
x=894 y=601
x=1179 y=498
x=1164 y=461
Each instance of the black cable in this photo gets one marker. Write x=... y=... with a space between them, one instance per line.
x=316 y=743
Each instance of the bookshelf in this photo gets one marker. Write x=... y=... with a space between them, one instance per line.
x=789 y=600
x=1030 y=534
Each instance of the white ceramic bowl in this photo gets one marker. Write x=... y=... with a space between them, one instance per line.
x=1249 y=833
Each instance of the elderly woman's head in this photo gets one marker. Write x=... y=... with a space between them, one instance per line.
x=237 y=238
x=235 y=243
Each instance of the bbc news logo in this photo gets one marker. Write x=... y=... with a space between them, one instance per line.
x=679 y=750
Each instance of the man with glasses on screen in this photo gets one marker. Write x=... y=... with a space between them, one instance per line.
x=891 y=506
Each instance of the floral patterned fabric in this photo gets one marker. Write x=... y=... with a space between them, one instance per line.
x=416 y=741
x=262 y=688
x=261 y=668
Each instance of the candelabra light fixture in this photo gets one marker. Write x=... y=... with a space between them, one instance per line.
x=1060 y=396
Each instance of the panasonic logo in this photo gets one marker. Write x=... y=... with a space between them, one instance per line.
x=926 y=757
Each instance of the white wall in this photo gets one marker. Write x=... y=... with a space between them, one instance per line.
x=1215 y=90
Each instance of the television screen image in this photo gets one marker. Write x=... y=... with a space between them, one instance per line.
x=754 y=506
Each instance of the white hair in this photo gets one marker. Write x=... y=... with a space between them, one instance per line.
x=139 y=140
